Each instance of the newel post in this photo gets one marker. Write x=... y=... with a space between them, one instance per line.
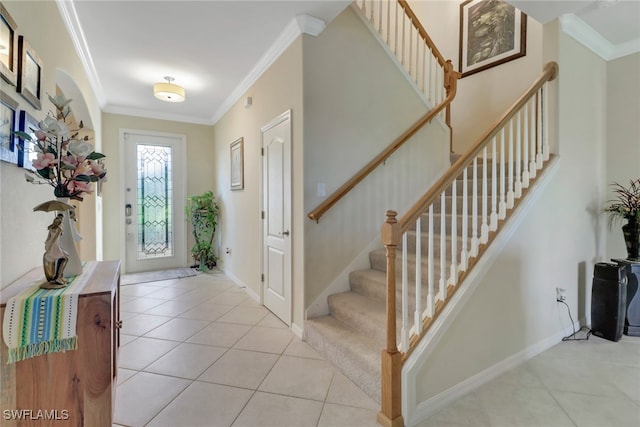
x=390 y=414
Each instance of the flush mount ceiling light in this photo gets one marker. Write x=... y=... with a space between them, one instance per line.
x=168 y=91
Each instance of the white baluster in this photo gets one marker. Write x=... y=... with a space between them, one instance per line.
x=432 y=79
x=545 y=120
x=475 y=241
x=502 y=207
x=453 y=275
x=404 y=333
x=411 y=27
x=532 y=141
x=380 y=18
x=395 y=48
x=431 y=267
x=389 y=23
x=464 y=255
x=424 y=71
x=525 y=146
x=484 y=229
x=418 y=45
x=404 y=20
x=539 y=157
x=493 y=223
x=518 y=184
x=417 y=315
x=510 y=185
x=443 y=249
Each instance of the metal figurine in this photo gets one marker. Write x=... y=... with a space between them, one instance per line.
x=54 y=259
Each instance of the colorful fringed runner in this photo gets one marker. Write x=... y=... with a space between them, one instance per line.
x=40 y=321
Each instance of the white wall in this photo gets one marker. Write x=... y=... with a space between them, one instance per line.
x=22 y=231
x=622 y=148
x=482 y=97
x=557 y=244
x=356 y=103
x=200 y=173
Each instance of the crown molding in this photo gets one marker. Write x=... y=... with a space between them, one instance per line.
x=583 y=33
x=301 y=24
x=136 y=112
x=71 y=21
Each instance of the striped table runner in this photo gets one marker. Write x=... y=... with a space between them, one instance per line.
x=40 y=321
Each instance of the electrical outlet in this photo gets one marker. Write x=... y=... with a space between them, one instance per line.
x=560 y=294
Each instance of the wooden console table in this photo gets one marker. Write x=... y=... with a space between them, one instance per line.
x=74 y=388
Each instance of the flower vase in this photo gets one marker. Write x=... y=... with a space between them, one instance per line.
x=631 y=232
x=68 y=241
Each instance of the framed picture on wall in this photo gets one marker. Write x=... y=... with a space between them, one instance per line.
x=237 y=164
x=26 y=149
x=29 y=73
x=8 y=47
x=8 y=146
x=492 y=32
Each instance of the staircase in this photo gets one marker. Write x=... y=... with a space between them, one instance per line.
x=375 y=327
x=353 y=334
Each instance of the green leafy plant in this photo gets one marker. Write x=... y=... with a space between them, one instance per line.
x=202 y=212
x=626 y=205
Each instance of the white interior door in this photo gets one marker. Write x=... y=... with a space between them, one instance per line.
x=276 y=179
x=154 y=196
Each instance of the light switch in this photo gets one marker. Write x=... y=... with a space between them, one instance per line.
x=322 y=189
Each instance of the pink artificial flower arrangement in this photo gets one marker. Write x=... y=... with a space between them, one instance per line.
x=66 y=162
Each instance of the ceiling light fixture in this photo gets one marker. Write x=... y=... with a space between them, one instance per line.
x=168 y=91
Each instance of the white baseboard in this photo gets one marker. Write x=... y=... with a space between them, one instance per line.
x=297 y=330
x=257 y=298
x=429 y=407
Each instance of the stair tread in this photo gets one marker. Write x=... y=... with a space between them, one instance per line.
x=355 y=355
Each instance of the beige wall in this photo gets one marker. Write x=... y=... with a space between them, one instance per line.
x=622 y=148
x=22 y=231
x=278 y=90
x=482 y=97
x=557 y=244
x=200 y=173
x=356 y=104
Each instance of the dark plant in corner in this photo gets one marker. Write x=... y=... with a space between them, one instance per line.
x=626 y=206
x=202 y=212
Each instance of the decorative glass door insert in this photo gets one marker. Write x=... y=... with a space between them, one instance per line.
x=154 y=201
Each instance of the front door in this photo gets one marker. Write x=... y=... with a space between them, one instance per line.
x=154 y=197
x=276 y=179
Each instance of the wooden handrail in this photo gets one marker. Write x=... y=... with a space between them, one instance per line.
x=451 y=79
x=409 y=218
x=423 y=32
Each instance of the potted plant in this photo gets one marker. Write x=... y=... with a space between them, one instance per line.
x=202 y=212
x=626 y=206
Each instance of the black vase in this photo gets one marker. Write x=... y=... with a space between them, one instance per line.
x=631 y=232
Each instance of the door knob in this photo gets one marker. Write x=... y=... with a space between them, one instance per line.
x=285 y=233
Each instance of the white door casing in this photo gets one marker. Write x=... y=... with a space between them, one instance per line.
x=171 y=228
x=276 y=181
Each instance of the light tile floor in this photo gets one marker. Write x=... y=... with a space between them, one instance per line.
x=199 y=351
x=594 y=383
